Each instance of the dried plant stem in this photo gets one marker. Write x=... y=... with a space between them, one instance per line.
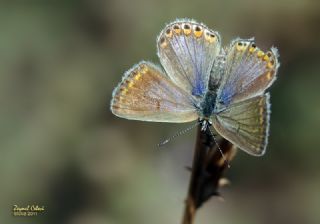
x=190 y=206
x=207 y=169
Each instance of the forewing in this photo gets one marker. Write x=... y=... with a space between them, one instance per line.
x=145 y=93
x=246 y=124
x=248 y=71
x=187 y=50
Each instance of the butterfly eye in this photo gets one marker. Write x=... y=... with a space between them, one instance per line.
x=186 y=29
x=198 y=31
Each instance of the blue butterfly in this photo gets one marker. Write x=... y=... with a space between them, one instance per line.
x=224 y=88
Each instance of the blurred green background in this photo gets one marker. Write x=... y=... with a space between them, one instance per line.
x=61 y=147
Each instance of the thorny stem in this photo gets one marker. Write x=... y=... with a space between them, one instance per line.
x=206 y=173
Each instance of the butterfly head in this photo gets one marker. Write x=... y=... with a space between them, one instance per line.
x=205 y=123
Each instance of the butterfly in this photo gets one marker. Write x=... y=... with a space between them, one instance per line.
x=222 y=87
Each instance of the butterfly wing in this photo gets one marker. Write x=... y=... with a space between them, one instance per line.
x=187 y=50
x=147 y=94
x=248 y=72
x=246 y=124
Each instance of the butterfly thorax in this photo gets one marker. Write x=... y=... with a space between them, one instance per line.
x=207 y=105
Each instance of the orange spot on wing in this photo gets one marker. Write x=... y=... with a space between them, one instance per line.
x=210 y=37
x=269 y=75
x=197 y=31
x=123 y=91
x=260 y=54
x=177 y=29
x=266 y=58
x=163 y=42
x=271 y=64
x=137 y=77
x=169 y=33
x=186 y=29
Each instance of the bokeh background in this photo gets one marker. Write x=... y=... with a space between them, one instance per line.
x=61 y=147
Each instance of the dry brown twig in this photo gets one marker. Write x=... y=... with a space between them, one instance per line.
x=206 y=172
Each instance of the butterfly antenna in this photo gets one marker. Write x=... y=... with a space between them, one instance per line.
x=220 y=150
x=178 y=134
